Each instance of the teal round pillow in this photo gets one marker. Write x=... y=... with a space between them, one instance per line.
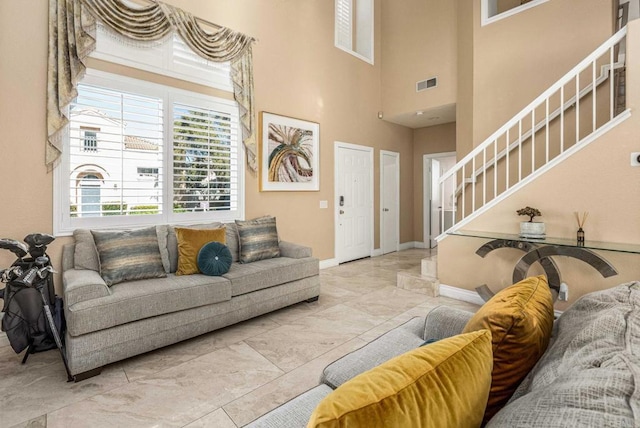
x=214 y=259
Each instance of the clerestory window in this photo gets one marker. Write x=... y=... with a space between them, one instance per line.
x=354 y=28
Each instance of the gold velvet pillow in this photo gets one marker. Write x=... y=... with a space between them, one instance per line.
x=443 y=384
x=520 y=318
x=189 y=243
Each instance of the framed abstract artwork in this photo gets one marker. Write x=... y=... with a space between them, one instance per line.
x=289 y=154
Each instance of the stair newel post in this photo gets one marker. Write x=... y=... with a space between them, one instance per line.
x=484 y=176
x=507 y=162
x=577 y=107
x=533 y=140
x=495 y=169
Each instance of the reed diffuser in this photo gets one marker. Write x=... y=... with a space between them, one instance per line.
x=581 y=219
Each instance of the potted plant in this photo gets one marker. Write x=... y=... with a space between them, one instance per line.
x=531 y=229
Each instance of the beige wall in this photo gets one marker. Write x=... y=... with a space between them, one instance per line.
x=516 y=59
x=434 y=139
x=298 y=72
x=468 y=17
x=597 y=179
x=418 y=42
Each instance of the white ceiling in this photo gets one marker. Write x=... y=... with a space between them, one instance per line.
x=429 y=117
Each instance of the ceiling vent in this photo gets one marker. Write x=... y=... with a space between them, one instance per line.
x=426 y=84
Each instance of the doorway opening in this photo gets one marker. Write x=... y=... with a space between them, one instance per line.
x=435 y=204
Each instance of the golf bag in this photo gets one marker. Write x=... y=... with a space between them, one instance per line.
x=34 y=317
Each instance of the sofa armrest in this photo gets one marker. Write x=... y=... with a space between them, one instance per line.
x=445 y=321
x=391 y=344
x=68 y=251
x=294 y=251
x=81 y=285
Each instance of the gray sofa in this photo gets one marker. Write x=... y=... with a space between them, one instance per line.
x=588 y=377
x=108 y=324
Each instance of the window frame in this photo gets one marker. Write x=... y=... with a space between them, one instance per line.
x=370 y=35
x=485 y=19
x=159 y=59
x=64 y=224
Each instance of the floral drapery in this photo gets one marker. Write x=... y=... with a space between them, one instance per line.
x=72 y=39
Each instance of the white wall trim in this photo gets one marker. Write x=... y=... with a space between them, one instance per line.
x=422 y=245
x=461 y=294
x=328 y=263
x=376 y=252
x=407 y=245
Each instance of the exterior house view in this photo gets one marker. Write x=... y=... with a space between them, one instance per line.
x=267 y=214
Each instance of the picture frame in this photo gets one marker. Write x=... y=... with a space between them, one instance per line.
x=289 y=154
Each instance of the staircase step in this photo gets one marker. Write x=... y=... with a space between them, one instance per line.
x=429 y=266
x=428 y=285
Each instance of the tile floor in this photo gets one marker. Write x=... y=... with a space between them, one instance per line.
x=225 y=378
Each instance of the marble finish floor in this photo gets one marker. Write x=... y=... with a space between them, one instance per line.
x=229 y=377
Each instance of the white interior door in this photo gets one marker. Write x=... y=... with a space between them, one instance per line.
x=354 y=201
x=389 y=201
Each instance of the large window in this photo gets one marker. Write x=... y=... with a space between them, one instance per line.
x=165 y=156
x=354 y=28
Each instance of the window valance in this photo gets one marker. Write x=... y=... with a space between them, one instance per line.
x=72 y=39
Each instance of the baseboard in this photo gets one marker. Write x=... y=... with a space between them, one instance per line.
x=461 y=294
x=328 y=263
x=3 y=339
x=376 y=252
x=407 y=245
x=421 y=245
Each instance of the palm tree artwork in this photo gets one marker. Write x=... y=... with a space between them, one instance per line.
x=290 y=154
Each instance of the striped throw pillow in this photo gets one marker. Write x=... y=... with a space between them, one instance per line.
x=128 y=255
x=258 y=239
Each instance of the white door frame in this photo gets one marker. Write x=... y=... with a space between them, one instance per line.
x=396 y=155
x=336 y=203
x=426 y=208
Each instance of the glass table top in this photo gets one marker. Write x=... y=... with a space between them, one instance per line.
x=562 y=242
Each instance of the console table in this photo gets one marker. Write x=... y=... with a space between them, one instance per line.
x=541 y=250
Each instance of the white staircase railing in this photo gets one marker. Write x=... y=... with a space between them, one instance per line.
x=573 y=112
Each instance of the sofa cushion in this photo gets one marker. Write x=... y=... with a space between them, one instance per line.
x=214 y=259
x=135 y=300
x=258 y=239
x=190 y=241
x=520 y=318
x=444 y=384
x=248 y=277
x=404 y=338
x=590 y=375
x=128 y=255
x=172 y=242
x=85 y=255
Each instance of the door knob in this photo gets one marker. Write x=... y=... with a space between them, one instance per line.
x=385 y=209
x=341 y=212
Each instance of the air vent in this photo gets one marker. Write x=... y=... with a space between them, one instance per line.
x=426 y=84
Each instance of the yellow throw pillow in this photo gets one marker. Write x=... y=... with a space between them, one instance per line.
x=520 y=318
x=189 y=243
x=443 y=384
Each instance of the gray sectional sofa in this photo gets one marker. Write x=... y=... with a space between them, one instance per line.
x=588 y=377
x=108 y=324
